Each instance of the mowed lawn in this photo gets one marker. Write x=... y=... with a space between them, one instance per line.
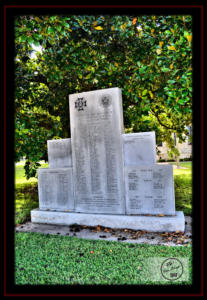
x=26 y=193
x=183 y=188
x=20 y=173
x=52 y=259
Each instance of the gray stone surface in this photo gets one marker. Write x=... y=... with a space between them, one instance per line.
x=59 y=153
x=148 y=223
x=139 y=149
x=111 y=234
x=55 y=189
x=96 y=120
x=149 y=190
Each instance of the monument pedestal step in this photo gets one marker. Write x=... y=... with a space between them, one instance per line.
x=148 y=223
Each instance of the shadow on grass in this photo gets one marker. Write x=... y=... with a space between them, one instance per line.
x=183 y=193
x=26 y=199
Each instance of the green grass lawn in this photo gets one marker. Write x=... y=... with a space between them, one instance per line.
x=26 y=194
x=185 y=164
x=49 y=259
x=183 y=188
x=20 y=173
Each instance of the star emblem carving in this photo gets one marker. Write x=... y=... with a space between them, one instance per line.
x=80 y=103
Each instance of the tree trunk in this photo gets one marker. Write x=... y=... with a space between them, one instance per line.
x=177 y=162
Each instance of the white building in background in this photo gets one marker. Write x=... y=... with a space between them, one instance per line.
x=184 y=148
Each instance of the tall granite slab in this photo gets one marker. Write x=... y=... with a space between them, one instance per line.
x=96 y=120
x=139 y=149
x=59 y=153
x=55 y=189
x=149 y=190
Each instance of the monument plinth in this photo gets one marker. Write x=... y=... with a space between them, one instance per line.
x=102 y=176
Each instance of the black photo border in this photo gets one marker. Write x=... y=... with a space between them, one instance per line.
x=8 y=11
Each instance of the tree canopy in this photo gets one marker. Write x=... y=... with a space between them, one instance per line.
x=148 y=57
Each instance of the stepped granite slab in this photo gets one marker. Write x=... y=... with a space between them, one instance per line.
x=149 y=190
x=97 y=151
x=55 y=189
x=59 y=153
x=139 y=149
x=148 y=223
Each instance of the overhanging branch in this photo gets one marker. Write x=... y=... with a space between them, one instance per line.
x=160 y=122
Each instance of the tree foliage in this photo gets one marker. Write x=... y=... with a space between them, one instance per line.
x=149 y=57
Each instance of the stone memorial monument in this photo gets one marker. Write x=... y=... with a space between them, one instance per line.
x=139 y=149
x=55 y=188
x=149 y=190
x=59 y=153
x=102 y=176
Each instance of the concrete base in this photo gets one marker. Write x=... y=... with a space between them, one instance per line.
x=148 y=223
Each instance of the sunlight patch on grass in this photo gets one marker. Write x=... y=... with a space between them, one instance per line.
x=20 y=173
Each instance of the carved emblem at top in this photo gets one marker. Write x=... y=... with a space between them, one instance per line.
x=105 y=100
x=80 y=103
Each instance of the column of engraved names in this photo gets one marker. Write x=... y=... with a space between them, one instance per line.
x=93 y=140
x=135 y=201
x=63 y=188
x=111 y=165
x=146 y=175
x=80 y=146
x=47 y=188
x=158 y=189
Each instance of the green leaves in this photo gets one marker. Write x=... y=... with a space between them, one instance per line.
x=30 y=40
x=149 y=57
x=22 y=38
x=144 y=93
x=165 y=69
x=37 y=36
x=50 y=30
x=142 y=70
